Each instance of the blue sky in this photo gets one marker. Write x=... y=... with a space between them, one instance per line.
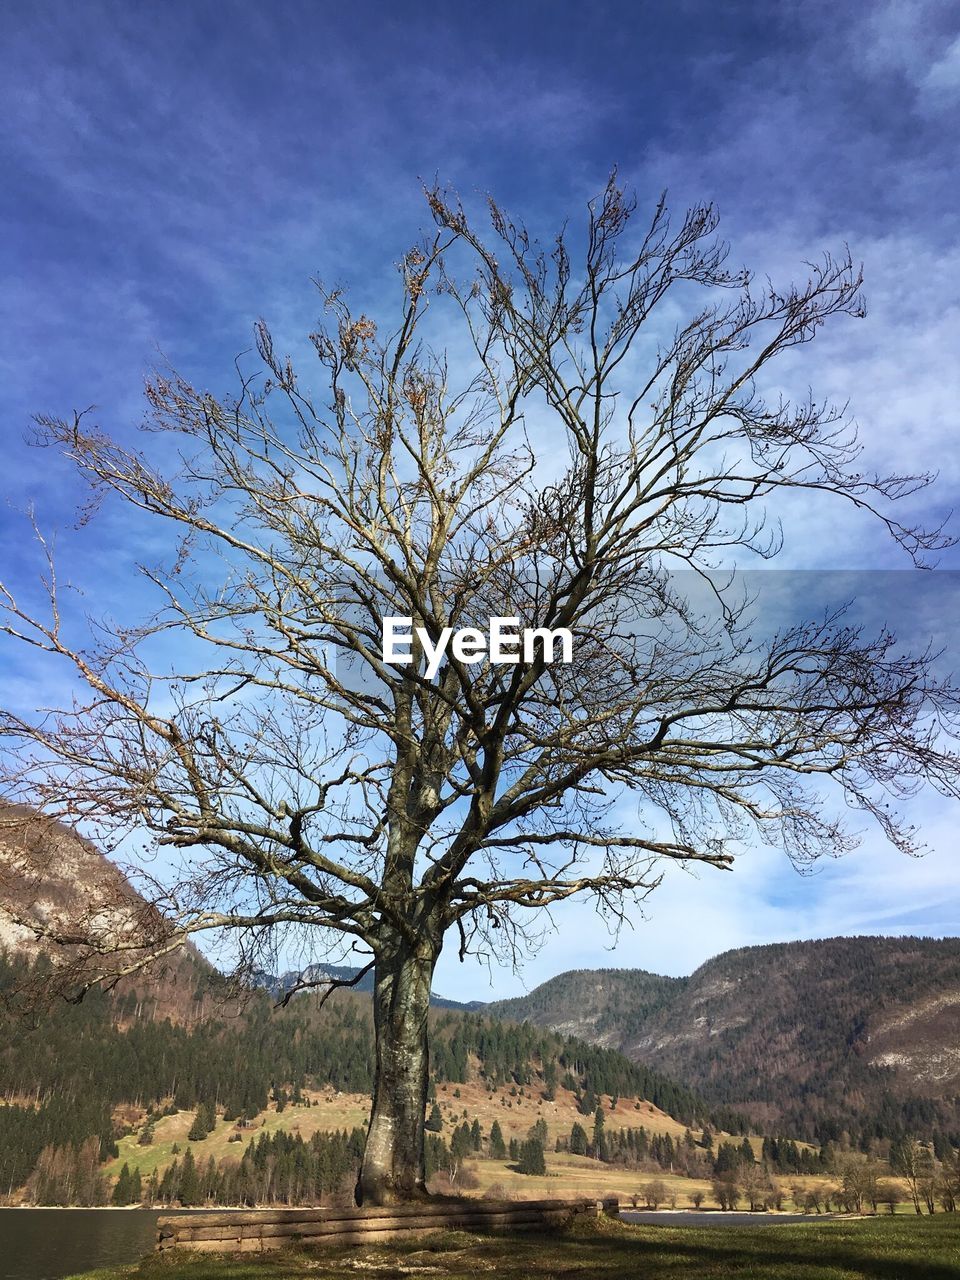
x=172 y=172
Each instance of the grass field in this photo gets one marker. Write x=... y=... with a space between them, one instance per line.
x=863 y=1249
x=573 y=1177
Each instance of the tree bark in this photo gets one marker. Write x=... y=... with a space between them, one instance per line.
x=393 y=1158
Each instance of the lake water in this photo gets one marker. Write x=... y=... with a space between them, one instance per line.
x=45 y=1244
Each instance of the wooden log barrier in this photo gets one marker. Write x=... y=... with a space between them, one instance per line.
x=259 y=1230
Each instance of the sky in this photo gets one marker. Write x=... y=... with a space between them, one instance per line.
x=170 y=173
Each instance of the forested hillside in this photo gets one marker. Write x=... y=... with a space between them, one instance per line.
x=812 y=1038
x=65 y=1074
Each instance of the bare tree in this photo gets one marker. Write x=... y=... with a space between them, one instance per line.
x=888 y=1193
x=756 y=1186
x=726 y=1191
x=309 y=784
x=654 y=1193
x=950 y=1183
x=859 y=1177
x=915 y=1163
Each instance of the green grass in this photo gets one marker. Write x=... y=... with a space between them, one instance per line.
x=865 y=1249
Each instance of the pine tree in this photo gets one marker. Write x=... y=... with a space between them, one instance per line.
x=122 y=1189
x=189 y=1192
x=532 y=1159
x=460 y=1143
x=498 y=1148
x=204 y=1122
x=169 y=1183
x=643 y=1145
x=599 y=1141
x=539 y=1132
x=197 y=1131
x=209 y=1184
x=550 y=1080
x=437 y=1155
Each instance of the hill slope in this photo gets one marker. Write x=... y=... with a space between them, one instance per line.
x=855 y=1033
x=50 y=874
x=605 y=1006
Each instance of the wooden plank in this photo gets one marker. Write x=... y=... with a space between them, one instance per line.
x=207 y=1228
x=333 y=1212
x=214 y=1217
x=292 y=1231
x=206 y=1246
x=249 y=1230
x=345 y=1236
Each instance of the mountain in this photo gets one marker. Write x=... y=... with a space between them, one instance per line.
x=278 y=985
x=48 y=872
x=604 y=1006
x=861 y=1034
x=51 y=875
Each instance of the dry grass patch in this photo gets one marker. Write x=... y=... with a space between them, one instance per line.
x=348 y=1111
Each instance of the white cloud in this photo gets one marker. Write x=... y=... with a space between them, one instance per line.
x=695 y=916
x=942 y=81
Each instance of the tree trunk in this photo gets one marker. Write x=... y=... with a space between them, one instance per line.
x=393 y=1163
